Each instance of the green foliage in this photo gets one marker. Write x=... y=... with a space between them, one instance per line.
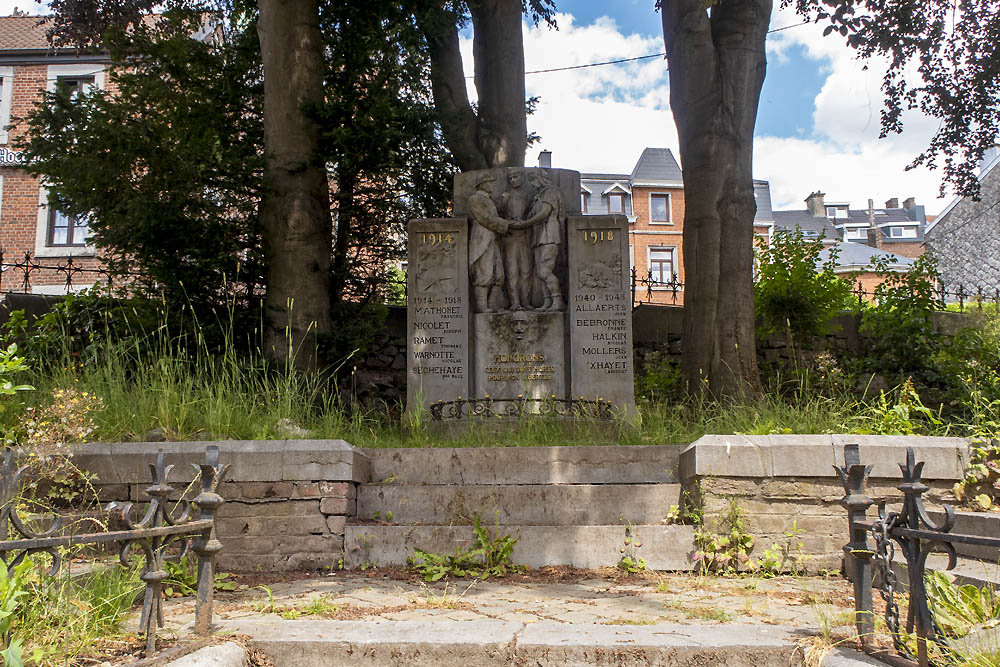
x=899 y=321
x=658 y=378
x=168 y=168
x=727 y=548
x=906 y=415
x=13 y=589
x=488 y=557
x=786 y=555
x=958 y=610
x=66 y=618
x=981 y=487
x=10 y=365
x=795 y=292
x=182 y=578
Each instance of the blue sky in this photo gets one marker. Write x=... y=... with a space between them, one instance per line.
x=817 y=126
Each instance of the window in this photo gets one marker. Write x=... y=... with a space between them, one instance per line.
x=66 y=230
x=661 y=264
x=616 y=202
x=659 y=208
x=76 y=85
x=903 y=232
x=583 y=202
x=6 y=93
x=856 y=233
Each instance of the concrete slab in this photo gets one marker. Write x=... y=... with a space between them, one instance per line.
x=389 y=643
x=663 y=547
x=228 y=654
x=845 y=657
x=528 y=504
x=986 y=524
x=814 y=455
x=650 y=464
x=249 y=460
x=498 y=642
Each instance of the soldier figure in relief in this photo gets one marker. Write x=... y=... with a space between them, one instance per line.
x=517 y=242
x=547 y=215
x=485 y=258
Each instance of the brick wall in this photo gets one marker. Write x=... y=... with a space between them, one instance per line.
x=643 y=235
x=20 y=197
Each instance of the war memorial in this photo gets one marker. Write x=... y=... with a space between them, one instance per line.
x=519 y=304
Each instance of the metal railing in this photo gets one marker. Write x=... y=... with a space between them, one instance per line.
x=649 y=289
x=521 y=407
x=164 y=523
x=67 y=274
x=916 y=535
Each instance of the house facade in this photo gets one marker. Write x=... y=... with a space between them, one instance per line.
x=965 y=238
x=29 y=226
x=651 y=197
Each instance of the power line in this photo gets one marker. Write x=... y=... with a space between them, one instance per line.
x=629 y=60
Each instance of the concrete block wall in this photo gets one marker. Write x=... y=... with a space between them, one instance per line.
x=287 y=501
x=781 y=482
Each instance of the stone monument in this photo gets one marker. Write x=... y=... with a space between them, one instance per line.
x=519 y=304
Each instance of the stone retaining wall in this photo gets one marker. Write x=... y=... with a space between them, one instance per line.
x=787 y=482
x=287 y=501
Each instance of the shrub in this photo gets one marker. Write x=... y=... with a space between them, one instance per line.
x=795 y=291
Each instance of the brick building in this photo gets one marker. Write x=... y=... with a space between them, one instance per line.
x=28 y=224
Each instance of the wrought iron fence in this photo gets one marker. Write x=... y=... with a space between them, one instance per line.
x=67 y=274
x=164 y=523
x=917 y=536
x=650 y=289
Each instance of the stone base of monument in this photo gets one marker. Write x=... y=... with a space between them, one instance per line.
x=519 y=355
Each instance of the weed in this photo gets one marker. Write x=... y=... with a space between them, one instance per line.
x=320 y=606
x=783 y=556
x=269 y=605
x=446 y=600
x=631 y=621
x=182 y=578
x=631 y=562
x=981 y=486
x=727 y=549
x=488 y=557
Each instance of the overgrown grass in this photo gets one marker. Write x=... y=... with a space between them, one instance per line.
x=203 y=398
x=156 y=379
x=67 y=618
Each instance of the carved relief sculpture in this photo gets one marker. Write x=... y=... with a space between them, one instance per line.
x=516 y=243
x=485 y=255
x=547 y=214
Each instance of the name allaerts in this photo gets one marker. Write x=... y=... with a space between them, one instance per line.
x=600 y=308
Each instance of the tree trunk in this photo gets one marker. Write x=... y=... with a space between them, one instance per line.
x=295 y=204
x=717 y=64
x=498 y=135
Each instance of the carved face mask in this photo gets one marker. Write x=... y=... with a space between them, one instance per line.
x=519 y=326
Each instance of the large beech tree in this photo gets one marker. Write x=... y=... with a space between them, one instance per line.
x=715 y=52
x=495 y=132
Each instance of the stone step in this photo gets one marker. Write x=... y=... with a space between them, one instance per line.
x=650 y=464
x=985 y=524
x=662 y=547
x=528 y=504
x=967 y=570
x=309 y=643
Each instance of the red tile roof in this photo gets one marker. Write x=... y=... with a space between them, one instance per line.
x=23 y=32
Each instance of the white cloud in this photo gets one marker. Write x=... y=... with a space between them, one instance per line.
x=843 y=155
x=600 y=118
x=594 y=118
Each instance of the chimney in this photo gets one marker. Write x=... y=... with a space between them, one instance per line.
x=892 y=203
x=874 y=233
x=545 y=159
x=909 y=203
x=814 y=203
